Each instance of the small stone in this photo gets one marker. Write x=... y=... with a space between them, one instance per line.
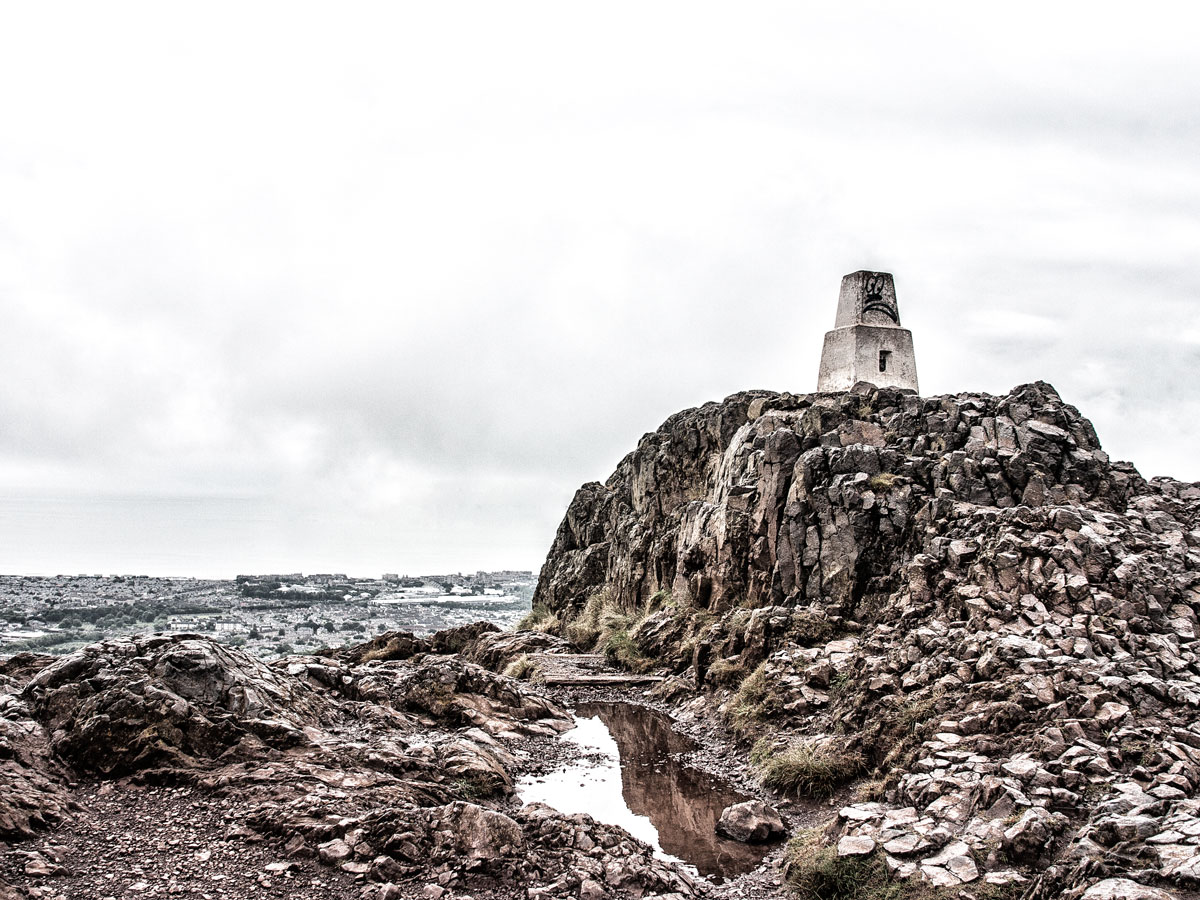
x=1126 y=828
x=861 y=812
x=938 y=877
x=335 y=851
x=906 y=844
x=40 y=867
x=1020 y=768
x=963 y=868
x=962 y=551
x=855 y=845
x=899 y=868
x=897 y=817
x=1004 y=876
x=1166 y=792
x=1111 y=713
x=1123 y=889
x=1167 y=837
x=954 y=858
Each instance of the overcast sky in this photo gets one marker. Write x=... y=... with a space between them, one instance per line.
x=367 y=288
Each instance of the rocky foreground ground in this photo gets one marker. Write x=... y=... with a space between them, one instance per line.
x=173 y=765
x=948 y=638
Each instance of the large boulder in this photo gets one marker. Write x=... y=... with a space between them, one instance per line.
x=497 y=649
x=450 y=690
x=1032 y=834
x=124 y=705
x=751 y=821
x=482 y=835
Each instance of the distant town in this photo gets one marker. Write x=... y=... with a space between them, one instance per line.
x=269 y=615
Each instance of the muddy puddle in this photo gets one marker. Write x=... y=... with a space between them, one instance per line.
x=630 y=775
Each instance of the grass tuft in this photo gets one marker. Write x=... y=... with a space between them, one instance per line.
x=726 y=672
x=816 y=872
x=540 y=618
x=621 y=650
x=751 y=703
x=519 y=668
x=605 y=625
x=807 y=770
x=762 y=749
x=808 y=629
x=584 y=630
x=883 y=482
x=658 y=600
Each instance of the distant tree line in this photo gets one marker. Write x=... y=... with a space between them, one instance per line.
x=274 y=590
x=114 y=615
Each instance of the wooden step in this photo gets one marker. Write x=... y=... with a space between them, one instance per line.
x=580 y=669
x=567 y=678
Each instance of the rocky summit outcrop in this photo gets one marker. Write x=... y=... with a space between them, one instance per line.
x=960 y=599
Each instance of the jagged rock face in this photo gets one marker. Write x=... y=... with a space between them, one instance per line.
x=121 y=706
x=34 y=793
x=965 y=589
x=773 y=498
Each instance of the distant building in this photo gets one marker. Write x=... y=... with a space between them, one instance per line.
x=326 y=579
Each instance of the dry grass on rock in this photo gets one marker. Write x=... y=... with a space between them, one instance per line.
x=802 y=769
x=540 y=618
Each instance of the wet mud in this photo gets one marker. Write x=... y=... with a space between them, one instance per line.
x=631 y=772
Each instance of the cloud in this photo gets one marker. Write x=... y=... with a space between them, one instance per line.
x=380 y=289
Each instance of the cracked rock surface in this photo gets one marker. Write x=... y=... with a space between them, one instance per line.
x=174 y=765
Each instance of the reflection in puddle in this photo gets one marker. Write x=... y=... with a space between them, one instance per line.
x=630 y=777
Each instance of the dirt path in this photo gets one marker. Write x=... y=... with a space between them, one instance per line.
x=132 y=842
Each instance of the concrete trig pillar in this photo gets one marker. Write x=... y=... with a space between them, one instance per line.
x=867 y=342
